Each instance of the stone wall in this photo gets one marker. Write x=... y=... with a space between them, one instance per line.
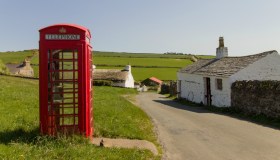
x=170 y=88
x=257 y=97
x=173 y=88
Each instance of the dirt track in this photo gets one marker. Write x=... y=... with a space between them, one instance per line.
x=191 y=133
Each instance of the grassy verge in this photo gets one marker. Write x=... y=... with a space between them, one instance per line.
x=114 y=117
x=235 y=113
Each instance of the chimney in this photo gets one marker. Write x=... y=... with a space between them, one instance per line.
x=127 y=68
x=93 y=68
x=26 y=63
x=221 y=51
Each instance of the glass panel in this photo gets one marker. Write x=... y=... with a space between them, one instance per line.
x=63 y=89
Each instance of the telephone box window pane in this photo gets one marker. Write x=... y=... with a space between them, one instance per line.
x=63 y=88
x=219 y=84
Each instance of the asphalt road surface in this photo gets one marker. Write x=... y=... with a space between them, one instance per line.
x=192 y=133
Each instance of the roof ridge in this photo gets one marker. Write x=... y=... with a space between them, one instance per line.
x=225 y=66
x=253 y=55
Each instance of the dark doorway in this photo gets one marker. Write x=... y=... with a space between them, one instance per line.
x=208 y=95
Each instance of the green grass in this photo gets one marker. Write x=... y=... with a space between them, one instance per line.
x=113 y=115
x=36 y=70
x=121 y=118
x=145 y=55
x=3 y=68
x=15 y=57
x=144 y=65
x=161 y=73
x=140 y=74
x=145 y=62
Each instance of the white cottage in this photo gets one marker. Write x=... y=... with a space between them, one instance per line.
x=208 y=81
x=120 y=78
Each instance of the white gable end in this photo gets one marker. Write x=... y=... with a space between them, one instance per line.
x=129 y=83
x=267 y=68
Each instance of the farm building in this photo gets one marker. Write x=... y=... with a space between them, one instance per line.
x=153 y=81
x=23 y=69
x=209 y=81
x=119 y=78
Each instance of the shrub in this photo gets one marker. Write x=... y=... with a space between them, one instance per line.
x=153 y=88
x=102 y=83
x=3 y=68
x=165 y=89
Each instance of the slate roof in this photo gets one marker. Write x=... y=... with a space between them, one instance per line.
x=110 y=74
x=13 y=68
x=223 y=67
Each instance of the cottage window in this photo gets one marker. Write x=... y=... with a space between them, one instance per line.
x=219 y=84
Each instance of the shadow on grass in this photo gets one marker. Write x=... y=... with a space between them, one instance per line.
x=18 y=135
x=228 y=111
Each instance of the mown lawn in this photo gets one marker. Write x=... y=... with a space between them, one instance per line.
x=113 y=115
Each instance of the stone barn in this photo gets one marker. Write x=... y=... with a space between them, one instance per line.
x=152 y=81
x=208 y=81
x=23 y=69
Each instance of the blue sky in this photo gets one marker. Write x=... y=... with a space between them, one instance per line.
x=152 y=26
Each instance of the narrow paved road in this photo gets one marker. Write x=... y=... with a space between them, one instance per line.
x=191 y=133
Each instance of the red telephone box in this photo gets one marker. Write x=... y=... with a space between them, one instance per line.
x=65 y=80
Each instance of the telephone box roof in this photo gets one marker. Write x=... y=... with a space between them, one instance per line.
x=69 y=25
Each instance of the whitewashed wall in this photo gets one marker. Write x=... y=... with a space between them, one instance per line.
x=192 y=87
x=221 y=98
x=267 y=68
x=129 y=83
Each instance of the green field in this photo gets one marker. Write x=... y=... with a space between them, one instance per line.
x=141 y=62
x=147 y=55
x=144 y=65
x=114 y=117
x=15 y=57
x=143 y=73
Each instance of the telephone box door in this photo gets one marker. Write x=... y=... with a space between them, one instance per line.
x=63 y=87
